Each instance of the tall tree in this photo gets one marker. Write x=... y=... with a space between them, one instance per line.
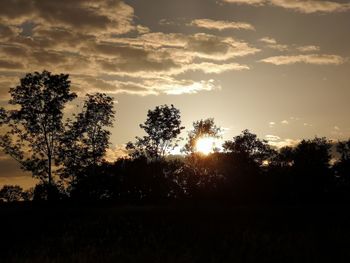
x=86 y=138
x=33 y=128
x=163 y=125
x=201 y=128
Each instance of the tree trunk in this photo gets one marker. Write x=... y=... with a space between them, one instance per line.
x=49 y=190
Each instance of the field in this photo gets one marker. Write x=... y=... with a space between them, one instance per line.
x=109 y=233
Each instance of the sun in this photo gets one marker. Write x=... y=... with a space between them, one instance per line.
x=205 y=145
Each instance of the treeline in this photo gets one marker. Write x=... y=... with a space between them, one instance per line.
x=67 y=155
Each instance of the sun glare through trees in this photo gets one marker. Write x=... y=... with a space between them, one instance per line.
x=206 y=145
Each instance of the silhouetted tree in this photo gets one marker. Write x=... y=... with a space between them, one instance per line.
x=201 y=128
x=284 y=157
x=311 y=167
x=11 y=193
x=163 y=125
x=28 y=194
x=36 y=125
x=342 y=168
x=249 y=147
x=44 y=191
x=84 y=143
x=246 y=156
x=3 y=116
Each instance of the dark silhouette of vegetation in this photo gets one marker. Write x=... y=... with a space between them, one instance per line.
x=15 y=193
x=85 y=140
x=68 y=156
x=163 y=125
x=247 y=202
x=35 y=128
x=11 y=193
x=342 y=167
x=201 y=128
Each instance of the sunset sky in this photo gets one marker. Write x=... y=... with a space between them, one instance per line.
x=280 y=68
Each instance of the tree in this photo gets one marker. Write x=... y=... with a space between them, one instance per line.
x=342 y=167
x=343 y=148
x=84 y=143
x=250 y=147
x=201 y=128
x=34 y=127
x=311 y=167
x=11 y=193
x=313 y=156
x=162 y=127
x=284 y=157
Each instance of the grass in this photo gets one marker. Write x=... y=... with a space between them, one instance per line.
x=174 y=234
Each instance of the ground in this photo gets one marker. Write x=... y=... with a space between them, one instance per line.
x=113 y=233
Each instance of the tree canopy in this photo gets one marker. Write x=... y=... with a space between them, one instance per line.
x=86 y=138
x=162 y=127
x=34 y=128
x=201 y=128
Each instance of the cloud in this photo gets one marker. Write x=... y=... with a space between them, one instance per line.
x=93 y=17
x=6 y=81
x=272 y=124
x=218 y=48
x=221 y=24
x=337 y=132
x=272 y=137
x=312 y=6
x=5 y=64
x=268 y=40
x=306 y=59
x=10 y=173
x=189 y=87
x=118 y=152
x=302 y=6
x=272 y=43
x=280 y=143
x=310 y=48
x=8 y=31
x=88 y=38
x=144 y=87
x=212 y=68
x=246 y=2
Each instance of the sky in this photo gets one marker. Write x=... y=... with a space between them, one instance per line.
x=280 y=68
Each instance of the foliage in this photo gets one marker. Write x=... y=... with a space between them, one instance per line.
x=35 y=126
x=11 y=193
x=201 y=128
x=163 y=125
x=45 y=192
x=249 y=147
x=248 y=170
x=86 y=139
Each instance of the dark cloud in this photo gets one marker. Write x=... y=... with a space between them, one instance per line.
x=16 y=9
x=6 y=64
x=94 y=16
x=7 y=31
x=14 y=51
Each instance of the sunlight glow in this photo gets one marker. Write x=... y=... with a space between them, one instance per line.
x=205 y=145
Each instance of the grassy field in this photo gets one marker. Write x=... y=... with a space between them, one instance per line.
x=174 y=234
